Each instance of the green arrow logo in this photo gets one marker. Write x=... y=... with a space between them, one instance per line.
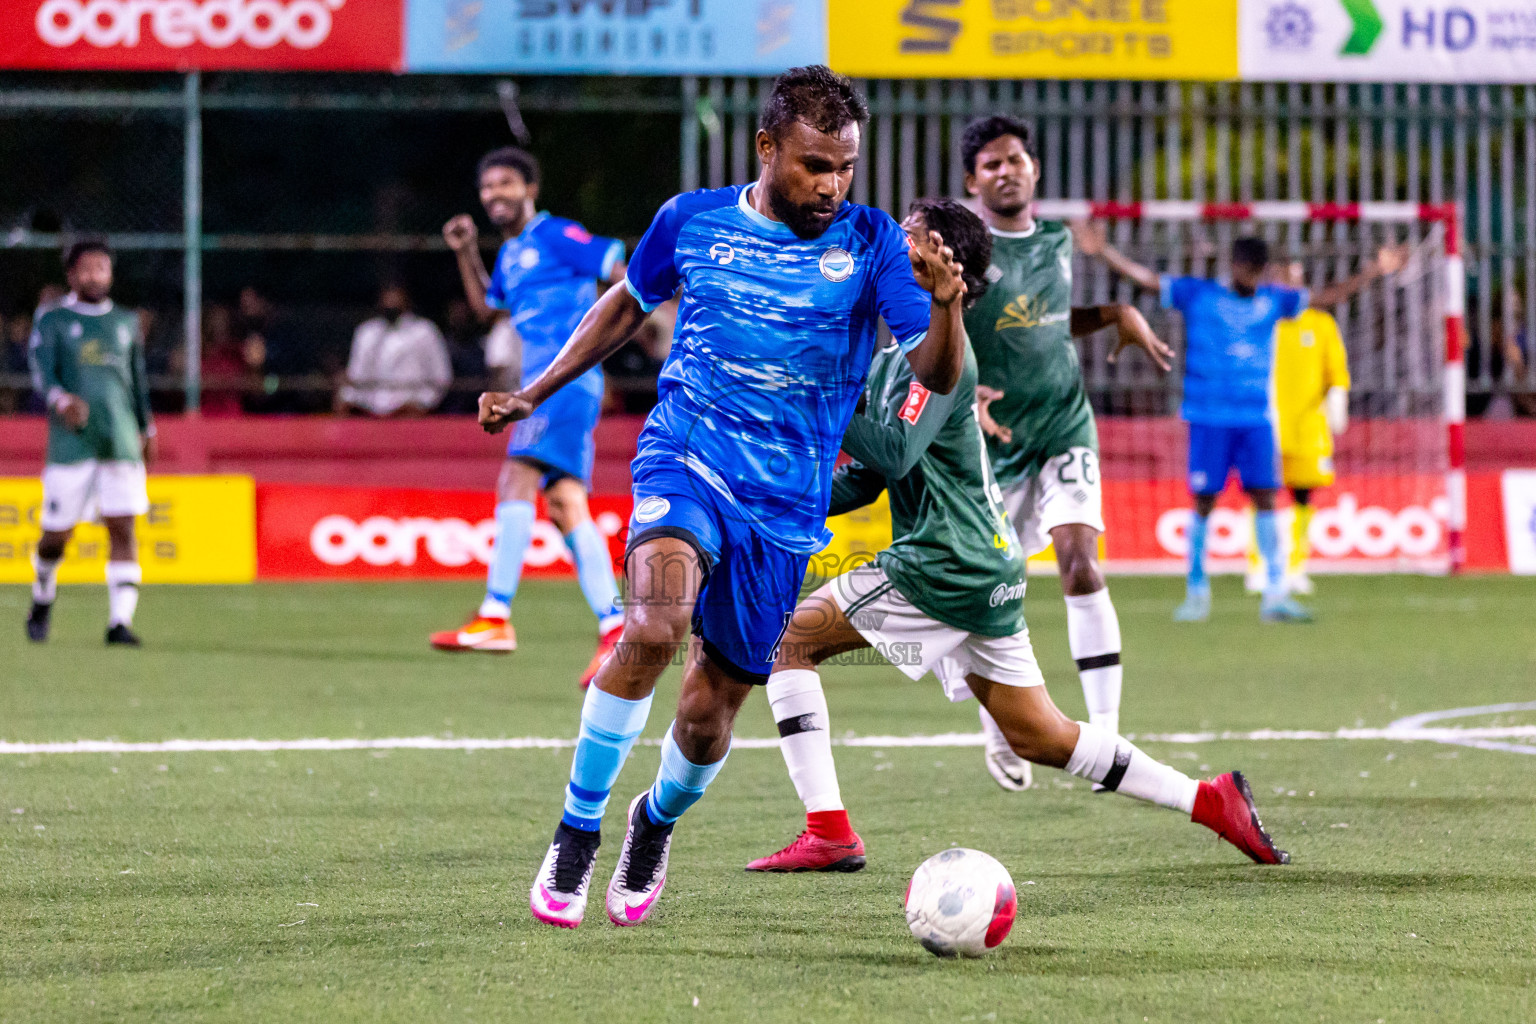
x=1367 y=27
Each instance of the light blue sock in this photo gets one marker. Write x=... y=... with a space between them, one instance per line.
x=1195 y=534
x=679 y=783
x=1266 y=530
x=609 y=727
x=594 y=570
x=514 y=529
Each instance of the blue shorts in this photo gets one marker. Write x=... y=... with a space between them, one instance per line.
x=1215 y=451
x=558 y=436
x=750 y=586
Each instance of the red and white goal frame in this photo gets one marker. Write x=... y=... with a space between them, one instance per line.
x=1446 y=215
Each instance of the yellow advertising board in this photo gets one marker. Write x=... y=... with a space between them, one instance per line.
x=199 y=529
x=1131 y=39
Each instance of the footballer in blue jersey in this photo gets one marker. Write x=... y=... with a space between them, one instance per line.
x=544 y=281
x=1229 y=330
x=782 y=286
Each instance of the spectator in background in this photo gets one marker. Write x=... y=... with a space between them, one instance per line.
x=16 y=395
x=227 y=375
x=466 y=353
x=399 y=364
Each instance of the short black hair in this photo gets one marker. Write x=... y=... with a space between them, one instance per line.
x=966 y=236
x=1252 y=251
x=74 y=252
x=814 y=95
x=520 y=160
x=988 y=129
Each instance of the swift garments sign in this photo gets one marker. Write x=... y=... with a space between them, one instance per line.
x=145 y=35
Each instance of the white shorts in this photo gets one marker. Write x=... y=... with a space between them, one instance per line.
x=1068 y=489
x=917 y=644
x=80 y=492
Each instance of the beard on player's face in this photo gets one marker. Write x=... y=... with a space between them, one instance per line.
x=91 y=279
x=806 y=219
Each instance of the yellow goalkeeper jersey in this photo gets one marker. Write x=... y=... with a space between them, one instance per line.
x=1309 y=359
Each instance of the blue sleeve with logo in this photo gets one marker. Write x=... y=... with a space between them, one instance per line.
x=901 y=301
x=588 y=254
x=653 y=276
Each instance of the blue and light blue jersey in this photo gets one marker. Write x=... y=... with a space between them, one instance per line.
x=1229 y=348
x=546 y=279
x=774 y=338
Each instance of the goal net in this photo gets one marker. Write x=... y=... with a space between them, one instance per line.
x=1398 y=502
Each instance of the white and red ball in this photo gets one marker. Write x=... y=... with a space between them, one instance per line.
x=961 y=903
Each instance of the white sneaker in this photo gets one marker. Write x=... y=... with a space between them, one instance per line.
x=1254 y=581
x=1299 y=583
x=1010 y=770
x=641 y=873
x=559 y=893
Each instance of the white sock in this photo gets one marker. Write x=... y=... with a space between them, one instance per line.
x=1093 y=633
x=46 y=584
x=805 y=737
x=992 y=731
x=123 y=580
x=1118 y=764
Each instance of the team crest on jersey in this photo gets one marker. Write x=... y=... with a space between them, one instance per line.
x=75 y=330
x=1027 y=311
x=836 y=264
x=528 y=259
x=652 y=509
x=721 y=253
x=912 y=408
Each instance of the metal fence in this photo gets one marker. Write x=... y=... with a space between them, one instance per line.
x=1218 y=142
x=1121 y=140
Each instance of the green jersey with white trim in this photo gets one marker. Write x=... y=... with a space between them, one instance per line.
x=1022 y=333
x=955 y=554
x=93 y=351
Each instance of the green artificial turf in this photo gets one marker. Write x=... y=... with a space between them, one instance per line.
x=392 y=885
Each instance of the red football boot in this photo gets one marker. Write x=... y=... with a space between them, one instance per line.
x=1225 y=806
x=605 y=645
x=810 y=852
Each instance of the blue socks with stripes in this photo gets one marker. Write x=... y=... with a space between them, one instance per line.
x=679 y=783
x=514 y=530
x=1195 y=534
x=609 y=727
x=594 y=570
x=1266 y=530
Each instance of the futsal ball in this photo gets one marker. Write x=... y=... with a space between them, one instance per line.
x=961 y=903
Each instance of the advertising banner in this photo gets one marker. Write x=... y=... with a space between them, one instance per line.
x=1163 y=39
x=318 y=532
x=1388 y=40
x=177 y=35
x=199 y=529
x=1519 y=486
x=649 y=37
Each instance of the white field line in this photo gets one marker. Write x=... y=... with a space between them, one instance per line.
x=1484 y=738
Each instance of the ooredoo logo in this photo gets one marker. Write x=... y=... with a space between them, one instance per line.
x=337 y=540
x=218 y=24
x=1344 y=530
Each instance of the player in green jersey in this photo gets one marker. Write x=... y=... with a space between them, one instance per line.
x=946 y=597
x=1041 y=435
x=87 y=360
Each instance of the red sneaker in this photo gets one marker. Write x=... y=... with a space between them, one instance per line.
x=812 y=853
x=1225 y=806
x=479 y=634
x=605 y=645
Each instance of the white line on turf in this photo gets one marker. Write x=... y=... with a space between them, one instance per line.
x=1412 y=728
